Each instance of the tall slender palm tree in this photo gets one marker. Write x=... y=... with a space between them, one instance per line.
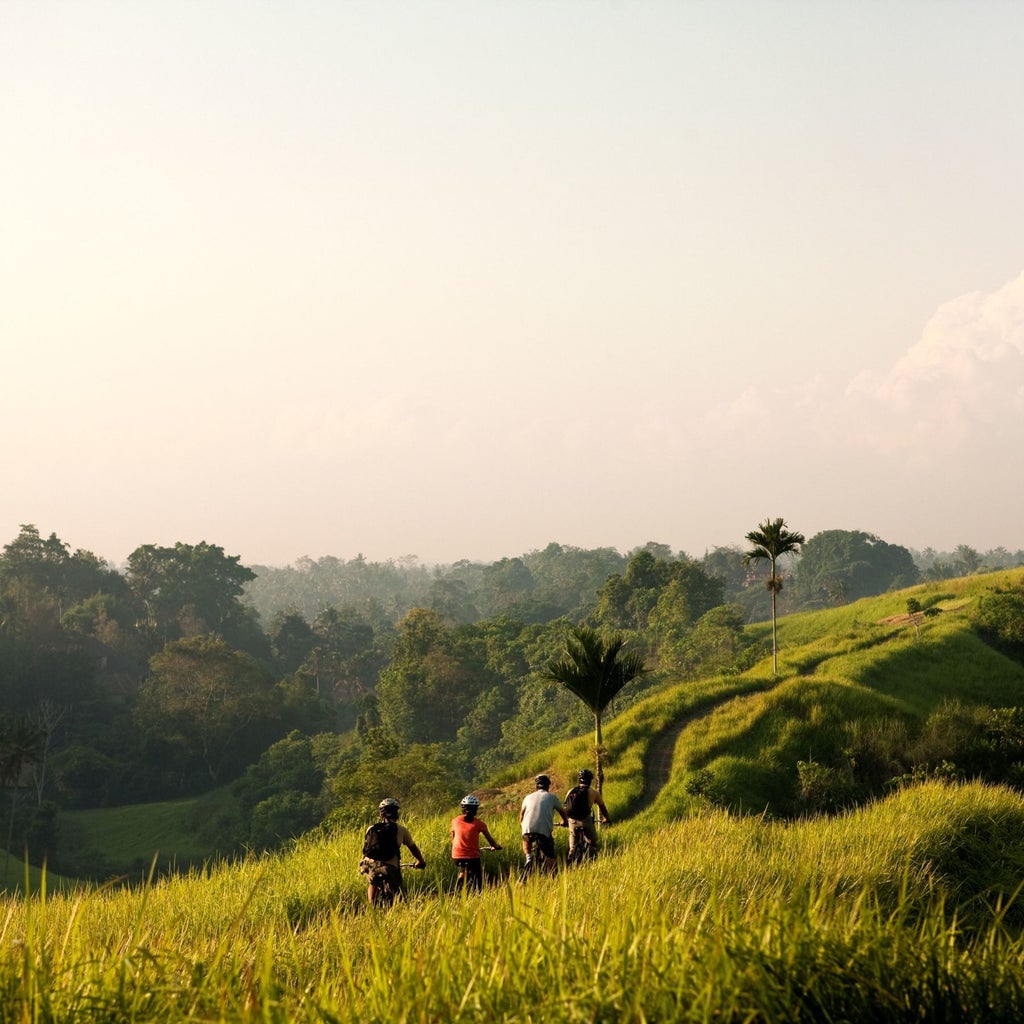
x=595 y=670
x=771 y=541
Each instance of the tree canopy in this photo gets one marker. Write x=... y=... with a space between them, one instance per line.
x=596 y=670
x=839 y=566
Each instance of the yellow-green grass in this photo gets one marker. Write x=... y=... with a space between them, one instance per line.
x=900 y=911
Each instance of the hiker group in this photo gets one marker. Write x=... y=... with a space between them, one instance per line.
x=382 y=845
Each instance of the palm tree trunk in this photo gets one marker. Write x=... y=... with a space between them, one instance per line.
x=597 y=751
x=775 y=646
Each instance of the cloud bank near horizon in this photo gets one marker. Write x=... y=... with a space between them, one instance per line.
x=960 y=384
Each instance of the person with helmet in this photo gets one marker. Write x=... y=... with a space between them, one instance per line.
x=580 y=802
x=536 y=818
x=382 y=848
x=466 y=831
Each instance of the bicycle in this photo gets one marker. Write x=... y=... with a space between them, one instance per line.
x=535 y=859
x=582 y=846
x=385 y=880
x=467 y=880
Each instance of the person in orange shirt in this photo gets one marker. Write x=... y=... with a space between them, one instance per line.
x=466 y=831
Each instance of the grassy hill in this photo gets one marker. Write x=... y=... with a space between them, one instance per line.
x=132 y=840
x=899 y=908
x=16 y=876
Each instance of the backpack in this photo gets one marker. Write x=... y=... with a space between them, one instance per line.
x=577 y=803
x=381 y=842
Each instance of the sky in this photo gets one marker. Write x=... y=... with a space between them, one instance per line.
x=459 y=279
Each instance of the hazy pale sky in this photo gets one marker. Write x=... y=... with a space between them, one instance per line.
x=458 y=279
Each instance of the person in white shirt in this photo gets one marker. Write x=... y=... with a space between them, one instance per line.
x=536 y=819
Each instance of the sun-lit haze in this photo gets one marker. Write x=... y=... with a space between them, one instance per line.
x=459 y=279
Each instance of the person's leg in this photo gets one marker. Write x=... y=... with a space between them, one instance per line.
x=469 y=874
x=546 y=849
x=573 y=841
x=379 y=894
x=527 y=848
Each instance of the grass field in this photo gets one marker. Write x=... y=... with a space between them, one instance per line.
x=901 y=911
x=906 y=909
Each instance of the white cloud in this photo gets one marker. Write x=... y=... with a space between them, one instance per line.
x=963 y=379
x=958 y=389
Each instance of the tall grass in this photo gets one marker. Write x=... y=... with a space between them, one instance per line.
x=904 y=910
x=716 y=918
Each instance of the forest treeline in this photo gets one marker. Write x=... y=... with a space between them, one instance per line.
x=304 y=692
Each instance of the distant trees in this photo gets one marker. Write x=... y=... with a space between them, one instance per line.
x=715 y=643
x=838 y=566
x=279 y=796
x=433 y=680
x=771 y=541
x=963 y=561
x=208 y=707
x=36 y=572
x=21 y=745
x=162 y=680
x=657 y=601
x=190 y=590
x=345 y=659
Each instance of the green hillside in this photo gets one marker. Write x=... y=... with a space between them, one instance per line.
x=130 y=840
x=716 y=898
x=15 y=875
x=858 y=680
x=848 y=676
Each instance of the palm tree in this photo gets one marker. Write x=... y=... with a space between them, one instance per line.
x=595 y=670
x=771 y=541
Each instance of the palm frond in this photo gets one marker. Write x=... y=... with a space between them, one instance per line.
x=594 y=669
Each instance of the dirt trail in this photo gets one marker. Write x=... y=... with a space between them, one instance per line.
x=658 y=763
x=660 y=754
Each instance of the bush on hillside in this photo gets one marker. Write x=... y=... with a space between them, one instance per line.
x=999 y=621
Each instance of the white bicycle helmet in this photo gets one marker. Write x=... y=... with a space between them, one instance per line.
x=470 y=801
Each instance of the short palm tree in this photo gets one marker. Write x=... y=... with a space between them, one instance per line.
x=595 y=670
x=771 y=541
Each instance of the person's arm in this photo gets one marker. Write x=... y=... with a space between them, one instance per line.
x=495 y=845
x=522 y=813
x=600 y=804
x=415 y=851
x=560 y=809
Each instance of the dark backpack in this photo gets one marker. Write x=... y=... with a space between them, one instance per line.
x=381 y=842
x=577 y=803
